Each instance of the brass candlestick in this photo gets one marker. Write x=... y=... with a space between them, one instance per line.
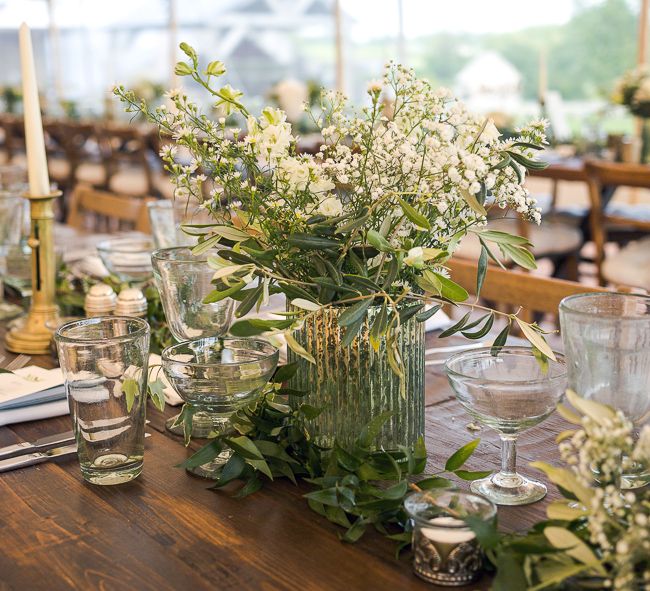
x=32 y=336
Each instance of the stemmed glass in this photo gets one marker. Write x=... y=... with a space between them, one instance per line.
x=12 y=209
x=184 y=280
x=509 y=392
x=216 y=377
x=167 y=219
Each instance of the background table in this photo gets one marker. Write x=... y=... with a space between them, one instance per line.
x=165 y=530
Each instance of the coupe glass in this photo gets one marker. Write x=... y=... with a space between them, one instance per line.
x=607 y=345
x=104 y=362
x=510 y=392
x=216 y=377
x=12 y=212
x=183 y=281
x=167 y=218
x=127 y=258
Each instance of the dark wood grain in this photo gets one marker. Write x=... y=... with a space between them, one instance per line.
x=167 y=531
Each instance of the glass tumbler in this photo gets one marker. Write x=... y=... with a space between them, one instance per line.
x=509 y=392
x=184 y=280
x=104 y=362
x=607 y=345
x=445 y=549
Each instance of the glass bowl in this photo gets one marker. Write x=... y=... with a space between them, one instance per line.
x=127 y=258
x=216 y=377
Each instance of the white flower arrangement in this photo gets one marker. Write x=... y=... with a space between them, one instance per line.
x=370 y=219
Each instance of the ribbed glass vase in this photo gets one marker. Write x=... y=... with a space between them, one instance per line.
x=354 y=384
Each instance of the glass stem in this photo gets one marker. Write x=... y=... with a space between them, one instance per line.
x=508 y=455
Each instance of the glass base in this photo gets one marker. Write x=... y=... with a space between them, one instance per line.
x=202 y=425
x=100 y=472
x=509 y=489
x=8 y=311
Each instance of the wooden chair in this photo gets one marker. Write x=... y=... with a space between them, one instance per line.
x=100 y=211
x=631 y=265
x=514 y=288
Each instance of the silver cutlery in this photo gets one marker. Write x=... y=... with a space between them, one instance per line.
x=31 y=459
x=40 y=445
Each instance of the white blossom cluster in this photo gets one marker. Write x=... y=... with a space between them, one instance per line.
x=618 y=522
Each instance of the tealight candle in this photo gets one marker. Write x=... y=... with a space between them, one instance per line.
x=446 y=551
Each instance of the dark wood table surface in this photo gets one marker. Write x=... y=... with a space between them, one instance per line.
x=165 y=530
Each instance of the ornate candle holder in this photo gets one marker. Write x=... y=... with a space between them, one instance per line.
x=33 y=336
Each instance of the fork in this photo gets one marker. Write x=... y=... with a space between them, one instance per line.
x=18 y=362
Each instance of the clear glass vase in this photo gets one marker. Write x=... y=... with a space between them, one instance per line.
x=355 y=384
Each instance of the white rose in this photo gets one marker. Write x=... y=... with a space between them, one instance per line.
x=321 y=185
x=331 y=207
x=415 y=257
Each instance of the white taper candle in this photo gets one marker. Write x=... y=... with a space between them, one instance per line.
x=39 y=182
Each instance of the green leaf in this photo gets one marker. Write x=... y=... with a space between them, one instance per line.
x=254 y=326
x=204 y=455
x=451 y=289
x=233 y=469
x=285 y=372
x=500 y=341
x=520 y=255
x=156 y=393
x=408 y=312
x=297 y=348
x=414 y=216
x=249 y=301
x=434 y=482
x=424 y=316
x=482 y=270
x=482 y=331
x=309 y=242
x=262 y=466
x=456 y=327
x=355 y=532
x=469 y=475
x=362 y=282
x=499 y=237
x=379 y=326
x=252 y=486
x=355 y=312
x=527 y=162
x=352 y=331
x=216 y=296
x=510 y=574
x=460 y=456
x=536 y=339
x=485 y=530
x=305 y=304
x=378 y=241
x=326 y=496
x=565 y=540
x=244 y=447
x=131 y=389
x=473 y=203
x=310 y=412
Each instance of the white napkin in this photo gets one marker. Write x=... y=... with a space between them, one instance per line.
x=34 y=412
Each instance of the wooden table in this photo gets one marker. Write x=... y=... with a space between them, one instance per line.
x=165 y=530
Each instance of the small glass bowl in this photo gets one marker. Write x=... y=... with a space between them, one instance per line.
x=127 y=258
x=216 y=377
x=445 y=549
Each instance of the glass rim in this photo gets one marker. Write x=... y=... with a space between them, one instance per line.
x=565 y=306
x=159 y=255
x=59 y=335
x=164 y=355
x=490 y=506
x=120 y=244
x=469 y=353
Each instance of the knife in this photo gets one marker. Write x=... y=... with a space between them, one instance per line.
x=31 y=459
x=27 y=447
x=43 y=444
